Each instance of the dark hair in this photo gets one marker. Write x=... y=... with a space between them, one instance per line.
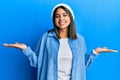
x=71 y=28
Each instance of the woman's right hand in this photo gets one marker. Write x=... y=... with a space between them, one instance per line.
x=16 y=45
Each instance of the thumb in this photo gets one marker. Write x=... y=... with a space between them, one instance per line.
x=105 y=47
x=16 y=43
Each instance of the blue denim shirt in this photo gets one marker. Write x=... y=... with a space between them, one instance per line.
x=45 y=57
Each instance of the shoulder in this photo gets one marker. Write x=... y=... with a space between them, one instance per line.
x=81 y=40
x=44 y=34
x=48 y=33
x=80 y=37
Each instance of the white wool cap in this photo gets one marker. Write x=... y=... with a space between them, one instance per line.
x=66 y=6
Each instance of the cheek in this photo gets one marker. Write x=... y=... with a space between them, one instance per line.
x=69 y=21
x=56 y=21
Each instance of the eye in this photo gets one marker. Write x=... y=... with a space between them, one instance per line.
x=57 y=16
x=65 y=15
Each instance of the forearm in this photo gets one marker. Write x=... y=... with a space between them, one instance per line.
x=90 y=58
x=31 y=56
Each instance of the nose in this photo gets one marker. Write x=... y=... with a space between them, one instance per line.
x=61 y=17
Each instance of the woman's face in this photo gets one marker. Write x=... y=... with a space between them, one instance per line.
x=62 y=19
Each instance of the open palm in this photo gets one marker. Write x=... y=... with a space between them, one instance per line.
x=16 y=45
x=105 y=49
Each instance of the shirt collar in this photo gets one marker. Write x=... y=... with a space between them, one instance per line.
x=52 y=33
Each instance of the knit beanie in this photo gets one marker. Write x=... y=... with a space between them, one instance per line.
x=64 y=5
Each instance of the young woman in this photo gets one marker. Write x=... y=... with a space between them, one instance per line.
x=61 y=52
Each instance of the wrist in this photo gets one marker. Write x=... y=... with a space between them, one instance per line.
x=95 y=52
x=23 y=48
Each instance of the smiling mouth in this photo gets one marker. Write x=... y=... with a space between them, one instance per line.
x=61 y=23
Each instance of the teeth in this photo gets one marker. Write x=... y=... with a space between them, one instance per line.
x=61 y=23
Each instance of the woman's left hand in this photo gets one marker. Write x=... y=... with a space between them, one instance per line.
x=105 y=49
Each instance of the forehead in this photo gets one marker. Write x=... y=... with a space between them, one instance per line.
x=60 y=10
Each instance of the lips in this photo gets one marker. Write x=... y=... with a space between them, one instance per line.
x=61 y=23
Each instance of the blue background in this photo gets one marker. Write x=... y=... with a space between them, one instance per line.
x=24 y=21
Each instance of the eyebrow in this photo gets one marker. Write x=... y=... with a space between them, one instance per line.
x=62 y=13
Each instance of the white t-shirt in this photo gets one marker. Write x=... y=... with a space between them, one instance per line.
x=64 y=60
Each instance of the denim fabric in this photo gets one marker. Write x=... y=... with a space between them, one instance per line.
x=45 y=57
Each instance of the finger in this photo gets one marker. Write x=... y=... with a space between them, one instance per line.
x=8 y=45
x=16 y=43
x=5 y=44
x=114 y=50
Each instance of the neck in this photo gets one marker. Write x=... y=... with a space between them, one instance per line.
x=63 y=33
